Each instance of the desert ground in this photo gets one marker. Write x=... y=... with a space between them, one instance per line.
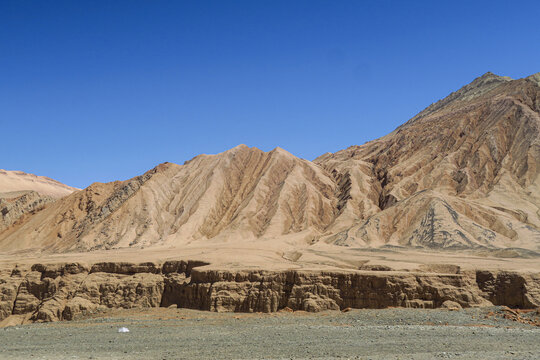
x=162 y=333
x=241 y=255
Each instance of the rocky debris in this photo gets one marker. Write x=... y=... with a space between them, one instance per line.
x=52 y=292
x=451 y=305
x=523 y=316
x=374 y=267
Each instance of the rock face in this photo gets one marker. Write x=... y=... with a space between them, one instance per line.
x=14 y=206
x=23 y=195
x=462 y=174
x=64 y=291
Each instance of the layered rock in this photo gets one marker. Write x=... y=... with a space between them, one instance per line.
x=66 y=291
x=14 y=206
x=244 y=193
x=464 y=173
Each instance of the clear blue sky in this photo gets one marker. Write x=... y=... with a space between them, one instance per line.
x=105 y=90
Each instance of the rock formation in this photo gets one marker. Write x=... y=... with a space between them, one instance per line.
x=22 y=195
x=464 y=173
x=15 y=205
x=52 y=292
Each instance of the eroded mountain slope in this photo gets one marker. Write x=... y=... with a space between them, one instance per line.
x=241 y=194
x=22 y=195
x=462 y=174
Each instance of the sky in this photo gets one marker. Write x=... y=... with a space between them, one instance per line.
x=106 y=90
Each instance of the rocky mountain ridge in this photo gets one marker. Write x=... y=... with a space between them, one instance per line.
x=462 y=174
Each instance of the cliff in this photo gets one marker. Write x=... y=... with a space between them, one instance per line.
x=52 y=292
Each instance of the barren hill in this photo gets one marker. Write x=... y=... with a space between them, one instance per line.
x=23 y=194
x=462 y=174
x=241 y=194
x=12 y=181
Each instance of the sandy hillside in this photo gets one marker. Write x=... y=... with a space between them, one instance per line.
x=23 y=195
x=464 y=173
x=13 y=181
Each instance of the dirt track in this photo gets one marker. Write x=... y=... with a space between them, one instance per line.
x=365 y=334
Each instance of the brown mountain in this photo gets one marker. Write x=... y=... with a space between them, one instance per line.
x=462 y=174
x=23 y=194
x=12 y=181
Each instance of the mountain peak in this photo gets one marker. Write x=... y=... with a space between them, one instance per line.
x=489 y=76
x=240 y=147
x=280 y=150
x=534 y=78
x=478 y=87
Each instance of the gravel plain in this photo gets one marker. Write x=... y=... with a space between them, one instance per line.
x=357 y=334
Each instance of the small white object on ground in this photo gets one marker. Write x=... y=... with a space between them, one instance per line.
x=123 y=330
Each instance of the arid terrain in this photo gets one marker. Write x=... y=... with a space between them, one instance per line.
x=481 y=333
x=442 y=212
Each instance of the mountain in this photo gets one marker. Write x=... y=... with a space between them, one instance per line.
x=23 y=194
x=12 y=181
x=462 y=174
x=243 y=193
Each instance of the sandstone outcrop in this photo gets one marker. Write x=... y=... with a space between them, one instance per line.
x=14 y=206
x=52 y=292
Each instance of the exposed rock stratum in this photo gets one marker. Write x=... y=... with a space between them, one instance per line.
x=64 y=291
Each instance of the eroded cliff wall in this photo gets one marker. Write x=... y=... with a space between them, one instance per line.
x=52 y=292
